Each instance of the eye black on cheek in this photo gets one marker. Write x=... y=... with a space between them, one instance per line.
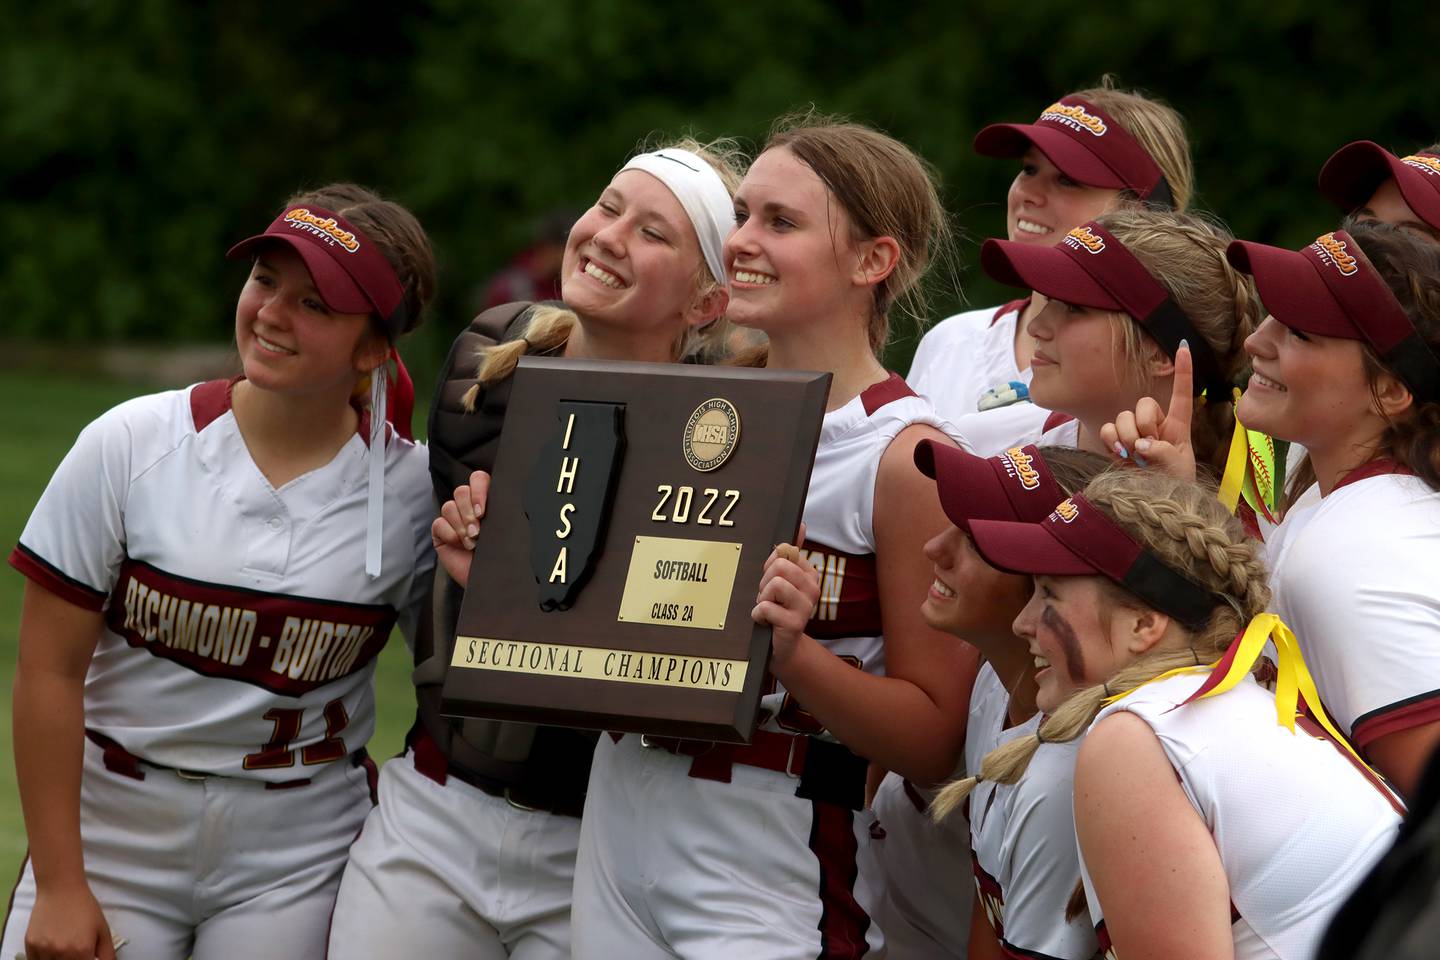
x=1069 y=642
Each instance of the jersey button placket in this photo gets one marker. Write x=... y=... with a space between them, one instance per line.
x=269 y=548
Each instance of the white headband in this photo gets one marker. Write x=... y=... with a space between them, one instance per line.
x=703 y=195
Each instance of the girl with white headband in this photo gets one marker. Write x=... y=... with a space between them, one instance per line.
x=698 y=849
x=206 y=597
x=471 y=851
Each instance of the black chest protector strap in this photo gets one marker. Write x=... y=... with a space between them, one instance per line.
x=460 y=442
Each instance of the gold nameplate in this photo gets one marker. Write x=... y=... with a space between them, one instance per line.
x=600 y=663
x=679 y=583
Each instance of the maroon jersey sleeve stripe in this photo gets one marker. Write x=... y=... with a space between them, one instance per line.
x=849 y=593
x=209 y=400
x=41 y=572
x=1402 y=715
x=877 y=395
x=843 y=922
x=1103 y=936
x=1014 y=306
x=285 y=644
x=1305 y=723
x=1055 y=419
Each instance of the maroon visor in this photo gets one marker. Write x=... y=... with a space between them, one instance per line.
x=1090 y=268
x=1077 y=540
x=1330 y=288
x=1354 y=172
x=1086 y=144
x=350 y=273
x=1016 y=485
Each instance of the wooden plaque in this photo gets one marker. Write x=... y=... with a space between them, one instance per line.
x=630 y=514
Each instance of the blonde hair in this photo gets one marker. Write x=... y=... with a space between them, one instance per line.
x=887 y=190
x=1183 y=524
x=1158 y=128
x=548 y=326
x=1186 y=254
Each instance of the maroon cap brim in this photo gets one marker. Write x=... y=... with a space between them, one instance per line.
x=1351 y=175
x=1027 y=548
x=967 y=485
x=1291 y=290
x=1354 y=172
x=1011 y=140
x=335 y=286
x=1045 y=270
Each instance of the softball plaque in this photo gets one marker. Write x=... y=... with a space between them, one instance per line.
x=623 y=542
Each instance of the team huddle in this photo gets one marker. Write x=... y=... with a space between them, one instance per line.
x=1110 y=630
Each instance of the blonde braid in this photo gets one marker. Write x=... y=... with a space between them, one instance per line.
x=547 y=328
x=1236 y=565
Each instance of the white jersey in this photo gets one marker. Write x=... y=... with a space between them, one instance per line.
x=1023 y=836
x=928 y=868
x=1354 y=575
x=240 y=628
x=840 y=535
x=1296 y=821
x=989 y=711
x=963 y=357
x=1059 y=431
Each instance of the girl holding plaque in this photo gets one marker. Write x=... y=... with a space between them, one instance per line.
x=471 y=851
x=701 y=850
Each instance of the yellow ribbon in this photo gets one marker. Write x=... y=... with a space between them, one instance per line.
x=1164 y=676
x=1293 y=680
x=1235 y=461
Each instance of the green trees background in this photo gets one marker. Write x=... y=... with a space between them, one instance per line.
x=138 y=140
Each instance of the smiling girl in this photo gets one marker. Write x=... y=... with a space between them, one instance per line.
x=705 y=849
x=1207 y=829
x=643 y=279
x=1346 y=364
x=212 y=572
x=1085 y=154
x=1023 y=868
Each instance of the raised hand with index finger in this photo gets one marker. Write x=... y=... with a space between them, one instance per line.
x=1155 y=437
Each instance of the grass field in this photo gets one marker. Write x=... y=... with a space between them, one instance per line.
x=40 y=415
